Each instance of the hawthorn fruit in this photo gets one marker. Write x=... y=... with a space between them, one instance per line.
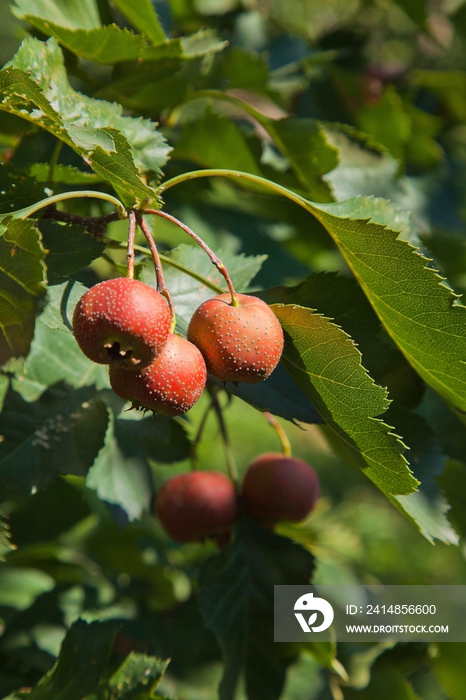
x=241 y=343
x=121 y=322
x=197 y=505
x=171 y=384
x=279 y=488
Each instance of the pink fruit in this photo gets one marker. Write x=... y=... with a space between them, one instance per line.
x=196 y=505
x=121 y=322
x=279 y=488
x=171 y=384
x=239 y=343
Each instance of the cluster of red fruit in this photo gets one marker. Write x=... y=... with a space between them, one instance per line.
x=126 y=324
x=203 y=504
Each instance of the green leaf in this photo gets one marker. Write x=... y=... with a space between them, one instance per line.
x=81 y=663
x=452 y=483
x=327 y=366
x=417 y=309
x=245 y=70
x=216 y=142
x=387 y=122
x=142 y=15
x=108 y=44
x=387 y=684
x=415 y=9
x=22 y=282
x=137 y=678
x=120 y=479
x=5 y=544
x=236 y=602
x=35 y=86
x=61 y=433
x=17 y=190
x=157 y=438
x=448 y=665
x=69 y=248
x=19 y=588
x=66 y=174
x=84 y=14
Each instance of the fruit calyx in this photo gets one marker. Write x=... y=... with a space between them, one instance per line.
x=121 y=322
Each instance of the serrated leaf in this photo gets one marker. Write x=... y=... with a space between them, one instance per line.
x=216 y=142
x=17 y=190
x=61 y=433
x=142 y=16
x=419 y=312
x=327 y=366
x=35 y=86
x=73 y=15
x=55 y=355
x=236 y=602
x=66 y=174
x=22 y=282
x=81 y=663
x=108 y=44
x=5 y=543
x=120 y=479
x=137 y=678
x=69 y=249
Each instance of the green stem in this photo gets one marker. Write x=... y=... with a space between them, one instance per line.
x=130 y=251
x=27 y=211
x=172 y=263
x=229 y=457
x=197 y=439
x=214 y=259
x=54 y=159
x=236 y=175
x=282 y=436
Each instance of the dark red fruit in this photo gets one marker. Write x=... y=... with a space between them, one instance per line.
x=240 y=343
x=279 y=488
x=171 y=384
x=121 y=322
x=196 y=505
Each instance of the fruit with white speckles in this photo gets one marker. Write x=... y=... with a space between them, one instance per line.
x=197 y=505
x=241 y=343
x=171 y=384
x=122 y=322
x=278 y=488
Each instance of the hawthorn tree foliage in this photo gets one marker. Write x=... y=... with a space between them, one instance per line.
x=319 y=149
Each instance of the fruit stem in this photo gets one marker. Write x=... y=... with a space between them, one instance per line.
x=229 y=457
x=77 y=194
x=158 y=269
x=214 y=259
x=282 y=436
x=198 y=437
x=130 y=253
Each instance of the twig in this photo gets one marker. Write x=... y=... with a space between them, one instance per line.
x=130 y=252
x=158 y=268
x=215 y=260
x=229 y=457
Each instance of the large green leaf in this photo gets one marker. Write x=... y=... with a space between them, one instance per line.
x=326 y=364
x=17 y=190
x=236 y=601
x=69 y=249
x=22 y=282
x=61 y=433
x=35 y=86
x=66 y=13
x=120 y=479
x=142 y=15
x=81 y=663
x=137 y=678
x=418 y=310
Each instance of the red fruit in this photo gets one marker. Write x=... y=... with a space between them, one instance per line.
x=171 y=384
x=196 y=505
x=279 y=488
x=240 y=343
x=121 y=322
